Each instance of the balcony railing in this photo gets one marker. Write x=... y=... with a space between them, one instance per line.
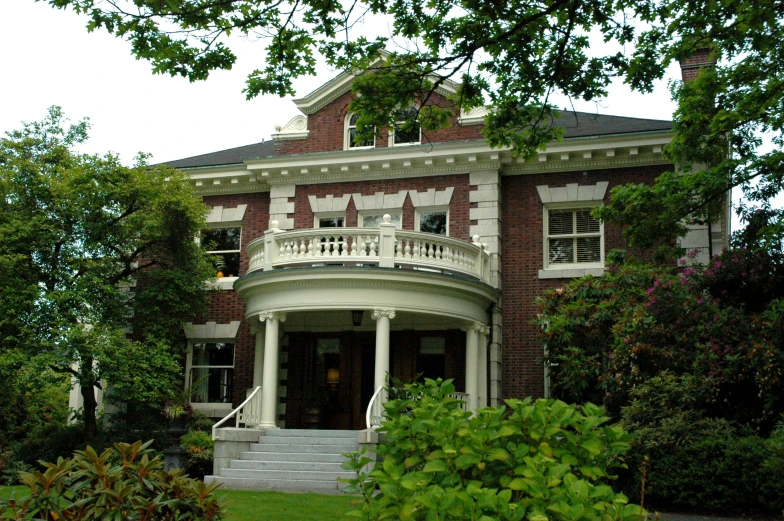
x=384 y=246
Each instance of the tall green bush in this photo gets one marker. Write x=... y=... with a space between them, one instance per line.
x=693 y=462
x=533 y=460
x=125 y=482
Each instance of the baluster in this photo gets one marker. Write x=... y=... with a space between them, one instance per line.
x=282 y=251
x=310 y=247
x=372 y=252
x=407 y=254
x=355 y=246
x=429 y=250
x=399 y=249
x=344 y=244
x=287 y=251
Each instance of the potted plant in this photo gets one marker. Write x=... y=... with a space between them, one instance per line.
x=315 y=407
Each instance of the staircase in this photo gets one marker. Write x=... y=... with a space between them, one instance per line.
x=292 y=460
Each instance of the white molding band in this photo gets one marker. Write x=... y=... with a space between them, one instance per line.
x=211 y=330
x=219 y=214
x=572 y=193
x=329 y=203
x=571 y=273
x=431 y=197
x=380 y=201
x=296 y=128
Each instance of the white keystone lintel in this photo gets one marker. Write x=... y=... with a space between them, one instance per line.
x=211 y=330
x=572 y=192
x=219 y=214
x=329 y=203
x=431 y=197
x=380 y=201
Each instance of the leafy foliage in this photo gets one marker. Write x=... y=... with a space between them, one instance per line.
x=607 y=335
x=696 y=462
x=201 y=452
x=125 y=482
x=532 y=460
x=96 y=249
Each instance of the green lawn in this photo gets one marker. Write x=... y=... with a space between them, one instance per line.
x=246 y=505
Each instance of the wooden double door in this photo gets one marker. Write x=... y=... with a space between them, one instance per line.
x=338 y=369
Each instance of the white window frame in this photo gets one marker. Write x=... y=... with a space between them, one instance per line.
x=219 y=226
x=392 y=135
x=362 y=214
x=347 y=143
x=430 y=209
x=546 y=243
x=208 y=406
x=328 y=215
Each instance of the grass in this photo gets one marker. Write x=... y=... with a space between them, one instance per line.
x=247 y=505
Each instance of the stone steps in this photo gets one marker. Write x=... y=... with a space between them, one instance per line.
x=291 y=460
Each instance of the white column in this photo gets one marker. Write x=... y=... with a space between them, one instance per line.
x=269 y=392
x=482 y=365
x=382 y=318
x=472 y=363
x=258 y=356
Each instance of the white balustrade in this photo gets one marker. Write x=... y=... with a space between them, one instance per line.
x=248 y=414
x=418 y=250
x=375 y=410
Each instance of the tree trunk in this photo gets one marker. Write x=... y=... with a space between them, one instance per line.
x=90 y=405
x=87 y=385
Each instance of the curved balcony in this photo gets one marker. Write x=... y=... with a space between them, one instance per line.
x=385 y=247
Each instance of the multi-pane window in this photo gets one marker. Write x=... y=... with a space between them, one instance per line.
x=225 y=244
x=373 y=220
x=212 y=372
x=574 y=236
x=351 y=134
x=433 y=221
x=407 y=130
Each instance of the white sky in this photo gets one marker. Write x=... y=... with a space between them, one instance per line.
x=49 y=58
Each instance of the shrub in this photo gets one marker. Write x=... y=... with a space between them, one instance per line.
x=538 y=459
x=125 y=482
x=201 y=451
x=696 y=462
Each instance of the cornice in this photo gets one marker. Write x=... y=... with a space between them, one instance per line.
x=592 y=164
x=365 y=175
x=236 y=188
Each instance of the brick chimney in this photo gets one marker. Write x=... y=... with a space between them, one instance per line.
x=691 y=66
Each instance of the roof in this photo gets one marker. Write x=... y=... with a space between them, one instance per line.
x=232 y=156
x=575 y=124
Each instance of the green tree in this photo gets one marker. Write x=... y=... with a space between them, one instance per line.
x=514 y=55
x=91 y=250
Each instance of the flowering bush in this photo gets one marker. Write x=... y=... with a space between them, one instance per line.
x=721 y=323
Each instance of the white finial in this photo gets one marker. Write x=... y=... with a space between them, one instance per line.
x=274 y=224
x=387 y=218
x=476 y=239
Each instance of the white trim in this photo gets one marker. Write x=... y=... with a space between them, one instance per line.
x=329 y=203
x=572 y=192
x=380 y=201
x=431 y=209
x=296 y=128
x=220 y=215
x=212 y=331
x=475 y=116
x=575 y=266
x=431 y=197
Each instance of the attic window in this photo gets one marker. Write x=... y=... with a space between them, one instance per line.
x=407 y=130
x=351 y=134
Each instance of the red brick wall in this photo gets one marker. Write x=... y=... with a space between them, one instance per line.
x=458 y=207
x=691 y=66
x=327 y=126
x=523 y=258
x=225 y=306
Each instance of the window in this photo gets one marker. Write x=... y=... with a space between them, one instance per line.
x=432 y=220
x=431 y=357
x=573 y=238
x=351 y=134
x=407 y=130
x=329 y=221
x=374 y=219
x=224 y=243
x=333 y=244
x=211 y=377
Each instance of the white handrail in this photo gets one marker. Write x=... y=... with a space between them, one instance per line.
x=376 y=408
x=250 y=418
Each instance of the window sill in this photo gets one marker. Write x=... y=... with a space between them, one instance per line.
x=223 y=283
x=571 y=273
